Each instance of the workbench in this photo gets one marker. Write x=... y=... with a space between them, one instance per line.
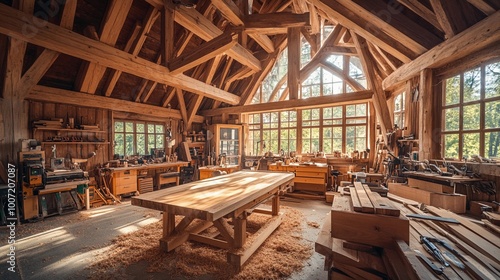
x=207 y=171
x=436 y=179
x=125 y=178
x=211 y=202
x=308 y=177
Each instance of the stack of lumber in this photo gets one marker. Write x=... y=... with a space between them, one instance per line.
x=431 y=196
x=52 y=123
x=374 y=243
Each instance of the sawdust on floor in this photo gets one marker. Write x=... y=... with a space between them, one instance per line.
x=283 y=253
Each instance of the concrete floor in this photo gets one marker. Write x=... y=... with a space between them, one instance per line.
x=61 y=247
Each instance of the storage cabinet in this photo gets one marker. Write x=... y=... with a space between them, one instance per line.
x=124 y=181
x=307 y=177
x=227 y=140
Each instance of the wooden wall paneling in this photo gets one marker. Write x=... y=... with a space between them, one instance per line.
x=422 y=11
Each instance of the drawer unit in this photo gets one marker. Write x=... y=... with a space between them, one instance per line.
x=307 y=178
x=124 y=181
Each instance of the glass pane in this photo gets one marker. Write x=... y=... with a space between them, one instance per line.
x=492 y=144
x=327 y=113
x=119 y=144
x=159 y=141
x=141 y=144
x=361 y=110
x=327 y=146
x=356 y=70
x=452 y=90
x=360 y=131
x=151 y=141
x=129 y=144
x=492 y=80
x=471 y=117
x=361 y=144
x=337 y=60
x=151 y=128
x=470 y=144
x=337 y=112
x=492 y=114
x=315 y=114
x=129 y=127
x=350 y=110
x=472 y=85
x=306 y=133
x=140 y=127
x=118 y=126
x=327 y=132
x=451 y=146
x=451 y=119
x=159 y=128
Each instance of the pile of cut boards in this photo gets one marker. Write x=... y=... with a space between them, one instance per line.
x=370 y=237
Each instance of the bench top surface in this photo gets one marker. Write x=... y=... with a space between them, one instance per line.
x=215 y=197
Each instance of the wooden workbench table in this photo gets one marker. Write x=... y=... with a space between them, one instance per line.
x=210 y=202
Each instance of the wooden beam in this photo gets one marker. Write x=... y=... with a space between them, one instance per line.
x=337 y=12
x=480 y=35
x=340 y=50
x=13 y=22
x=42 y=93
x=293 y=61
x=133 y=46
x=391 y=21
x=231 y=11
x=167 y=33
x=203 y=53
x=91 y=73
x=443 y=18
x=45 y=60
x=260 y=22
x=341 y=74
x=344 y=98
x=425 y=111
x=422 y=11
x=484 y=7
x=195 y=22
x=379 y=100
x=168 y=96
x=315 y=22
x=182 y=106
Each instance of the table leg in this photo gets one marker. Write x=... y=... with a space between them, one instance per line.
x=168 y=224
x=240 y=232
x=275 y=205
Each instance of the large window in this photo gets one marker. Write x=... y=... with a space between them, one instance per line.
x=272 y=131
x=137 y=138
x=471 y=113
x=341 y=128
x=399 y=110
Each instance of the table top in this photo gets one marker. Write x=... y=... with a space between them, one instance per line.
x=217 y=167
x=151 y=166
x=213 y=198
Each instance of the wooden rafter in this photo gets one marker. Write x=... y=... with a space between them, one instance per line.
x=235 y=16
x=422 y=11
x=337 y=12
x=293 y=62
x=275 y=21
x=12 y=23
x=375 y=83
x=182 y=105
x=42 y=64
x=341 y=74
x=202 y=54
x=443 y=18
x=344 y=98
x=195 y=22
x=483 y=6
x=477 y=37
x=133 y=46
x=91 y=73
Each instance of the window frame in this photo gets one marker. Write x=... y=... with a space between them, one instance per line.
x=135 y=134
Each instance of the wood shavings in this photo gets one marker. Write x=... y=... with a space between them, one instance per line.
x=313 y=224
x=283 y=253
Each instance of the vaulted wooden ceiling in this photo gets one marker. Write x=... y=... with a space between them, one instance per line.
x=193 y=60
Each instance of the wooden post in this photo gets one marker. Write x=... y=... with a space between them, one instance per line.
x=425 y=105
x=168 y=224
x=275 y=205
x=293 y=61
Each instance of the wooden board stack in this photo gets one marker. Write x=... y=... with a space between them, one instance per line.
x=360 y=241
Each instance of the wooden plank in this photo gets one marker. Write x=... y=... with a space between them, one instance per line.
x=480 y=35
x=358 y=273
x=366 y=204
x=59 y=39
x=356 y=204
x=209 y=241
x=370 y=229
x=432 y=218
x=381 y=205
x=483 y=6
x=453 y=202
x=421 y=10
x=468 y=224
x=356 y=258
x=429 y=186
x=323 y=244
x=492 y=227
x=494 y=218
